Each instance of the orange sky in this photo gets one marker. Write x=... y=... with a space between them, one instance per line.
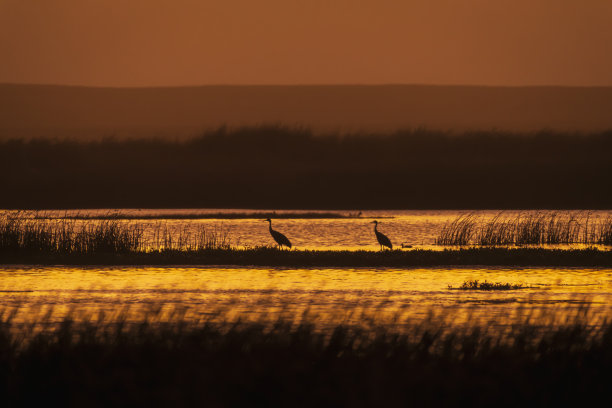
x=196 y=42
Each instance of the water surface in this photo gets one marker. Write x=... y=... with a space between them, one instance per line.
x=332 y=294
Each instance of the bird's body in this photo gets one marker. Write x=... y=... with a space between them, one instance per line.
x=280 y=238
x=382 y=239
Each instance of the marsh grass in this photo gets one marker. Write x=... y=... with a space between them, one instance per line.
x=603 y=234
x=530 y=228
x=193 y=239
x=459 y=231
x=226 y=361
x=25 y=239
x=22 y=233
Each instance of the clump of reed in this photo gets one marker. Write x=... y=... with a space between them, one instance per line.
x=531 y=228
x=187 y=239
x=459 y=231
x=23 y=233
x=288 y=362
x=486 y=285
x=603 y=234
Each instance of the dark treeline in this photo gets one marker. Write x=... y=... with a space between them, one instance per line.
x=275 y=167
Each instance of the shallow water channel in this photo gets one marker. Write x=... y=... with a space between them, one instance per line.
x=330 y=296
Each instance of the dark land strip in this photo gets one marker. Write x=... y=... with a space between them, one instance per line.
x=272 y=257
x=208 y=216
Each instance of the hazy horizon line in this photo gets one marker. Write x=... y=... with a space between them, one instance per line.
x=298 y=85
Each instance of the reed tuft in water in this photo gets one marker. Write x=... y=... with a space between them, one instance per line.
x=486 y=285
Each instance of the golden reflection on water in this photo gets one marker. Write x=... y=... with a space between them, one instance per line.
x=329 y=295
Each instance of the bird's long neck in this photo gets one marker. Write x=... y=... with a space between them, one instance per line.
x=270 y=225
x=376 y=227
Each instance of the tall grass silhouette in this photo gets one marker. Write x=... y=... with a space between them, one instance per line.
x=29 y=238
x=289 y=361
x=527 y=228
x=24 y=233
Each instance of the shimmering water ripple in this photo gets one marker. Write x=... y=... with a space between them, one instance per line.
x=332 y=294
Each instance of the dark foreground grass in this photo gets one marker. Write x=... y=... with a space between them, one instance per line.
x=266 y=256
x=282 y=364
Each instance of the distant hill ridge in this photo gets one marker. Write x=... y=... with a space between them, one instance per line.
x=86 y=112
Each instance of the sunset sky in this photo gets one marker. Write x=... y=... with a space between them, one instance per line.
x=199 y=42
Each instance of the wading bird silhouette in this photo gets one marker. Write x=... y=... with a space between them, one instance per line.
x=381 y=238
x=280 y=238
